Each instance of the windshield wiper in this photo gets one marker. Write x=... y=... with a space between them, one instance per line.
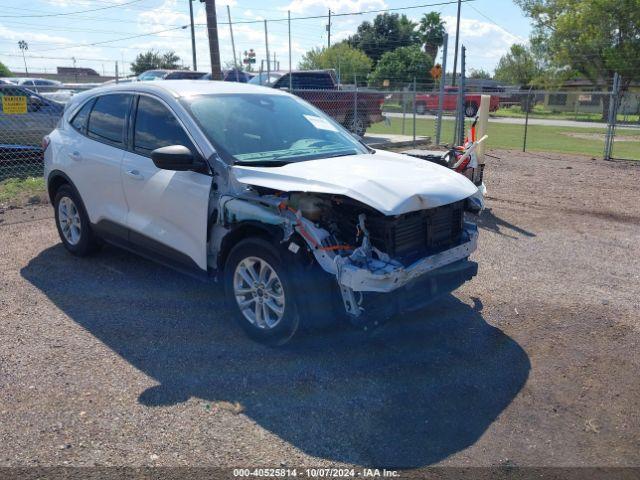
x=261 y=163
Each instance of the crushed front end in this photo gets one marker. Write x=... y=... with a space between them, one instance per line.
x=382 y=264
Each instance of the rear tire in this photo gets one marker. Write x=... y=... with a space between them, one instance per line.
x=421 y=108
x=73 y=223
x=356 y=123
x=260 y=292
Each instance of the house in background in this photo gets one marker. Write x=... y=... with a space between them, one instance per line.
x=583 y=96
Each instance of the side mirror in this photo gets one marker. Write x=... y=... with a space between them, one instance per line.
x=35 y=103
x=175 y=157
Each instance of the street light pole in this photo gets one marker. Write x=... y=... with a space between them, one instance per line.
x=193 y=37
x=24 y=46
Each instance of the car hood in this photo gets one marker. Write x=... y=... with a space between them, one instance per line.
x=389 y=182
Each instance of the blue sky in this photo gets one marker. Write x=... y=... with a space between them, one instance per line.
x=488 y=28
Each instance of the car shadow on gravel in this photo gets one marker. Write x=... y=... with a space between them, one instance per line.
x=488 y=220
x=421 y=388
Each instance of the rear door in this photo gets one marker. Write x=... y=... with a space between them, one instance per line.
x=167 y=209
x=94 y=153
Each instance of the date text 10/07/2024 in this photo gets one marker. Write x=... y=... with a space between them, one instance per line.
x=315 y=472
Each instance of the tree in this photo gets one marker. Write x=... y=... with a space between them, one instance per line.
x=387 y=32
x=431 y=31
x=153 y=60
x=593 y=37
x=402 y=65
x=480 y=74
x=517 y=67
x=346 y=60
x=4 y=71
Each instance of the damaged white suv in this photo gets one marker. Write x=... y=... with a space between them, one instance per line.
x=302 y=222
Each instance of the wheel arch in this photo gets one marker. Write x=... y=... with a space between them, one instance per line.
x=244 y=230
x=55 y=180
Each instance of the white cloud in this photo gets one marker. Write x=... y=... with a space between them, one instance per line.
x=336 y=6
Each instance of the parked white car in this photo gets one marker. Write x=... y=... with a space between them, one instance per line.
x=302 y=222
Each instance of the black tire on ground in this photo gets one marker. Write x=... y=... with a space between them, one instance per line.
x=289 y=323
x=356 y=123
x=87 y=243
x=421 y=108
x=470 y=109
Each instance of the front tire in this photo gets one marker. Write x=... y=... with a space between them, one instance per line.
x=73 y=223
x=260 y=292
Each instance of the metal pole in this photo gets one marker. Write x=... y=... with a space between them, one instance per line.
x=414 y=111
x=117 y=76
x=214 y=45
x=404 y=111
x=441 y=92
x=526 y=119
x=455 y=55
x=193 y=37
x=289 y=24
x=233 y=44
x=611 y=123
x=354 y=125
x=329 y=31
x=463 y=58
x=266 y=44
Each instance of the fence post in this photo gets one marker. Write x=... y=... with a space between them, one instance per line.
x=414 y=111
x=404 y=109
x=355 y=105
x=526 y=119
x=458 y=134
x=443 y=76
x=613 y=114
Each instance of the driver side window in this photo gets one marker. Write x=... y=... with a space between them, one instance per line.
x=155 y=127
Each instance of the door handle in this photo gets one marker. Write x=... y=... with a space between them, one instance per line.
x=75 y=156
x=135 y=174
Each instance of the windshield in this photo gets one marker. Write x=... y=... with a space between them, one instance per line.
x=265 y=79
x=270 y=129
x=152 y=75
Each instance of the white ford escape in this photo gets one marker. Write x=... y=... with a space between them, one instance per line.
x=302 y=222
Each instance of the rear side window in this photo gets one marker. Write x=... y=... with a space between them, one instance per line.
x=79 y=121
x=107 y=119
x=157 y=127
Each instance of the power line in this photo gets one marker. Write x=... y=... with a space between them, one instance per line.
x=62 y=14
x=363 y=12
x=182 y=27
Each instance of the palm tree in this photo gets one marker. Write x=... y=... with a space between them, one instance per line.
x=431 y=31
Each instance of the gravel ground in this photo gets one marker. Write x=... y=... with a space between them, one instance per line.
x=114 y=360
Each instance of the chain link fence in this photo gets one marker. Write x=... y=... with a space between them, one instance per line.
x=565 y=121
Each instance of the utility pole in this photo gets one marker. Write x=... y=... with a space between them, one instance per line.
x=455 y=54
x=266 y=44
x=233 y=44
x=289 y=24
x=329 y=31
x=214 y=45
x=193 y=37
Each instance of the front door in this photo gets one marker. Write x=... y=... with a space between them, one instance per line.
x=167 y=209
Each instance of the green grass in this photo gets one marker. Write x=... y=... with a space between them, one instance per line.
x=585 y=141
x=21 y=189
x=539 y=111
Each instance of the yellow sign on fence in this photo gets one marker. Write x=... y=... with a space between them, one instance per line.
x=14 y=104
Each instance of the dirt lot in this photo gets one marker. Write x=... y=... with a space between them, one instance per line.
x=114 y=360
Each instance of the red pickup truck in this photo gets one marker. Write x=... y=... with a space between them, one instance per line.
x=321 y=89
x=429 y=102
